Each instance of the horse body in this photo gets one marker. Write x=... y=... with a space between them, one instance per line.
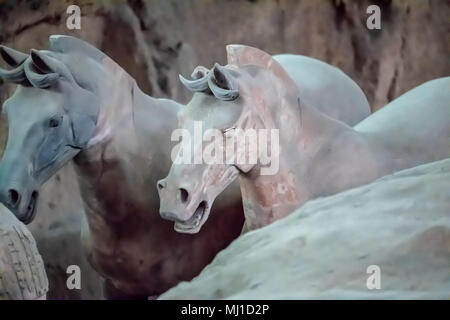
x=118 y=156
x=412 y=129
x=331 y=157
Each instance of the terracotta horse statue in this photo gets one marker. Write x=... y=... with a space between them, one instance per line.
x=74 y=103
x=317 y=155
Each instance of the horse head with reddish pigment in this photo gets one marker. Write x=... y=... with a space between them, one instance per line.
x=246 y=113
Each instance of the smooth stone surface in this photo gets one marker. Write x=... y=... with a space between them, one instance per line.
x=400 y=223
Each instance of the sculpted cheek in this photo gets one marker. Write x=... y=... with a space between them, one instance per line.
x=48 y=151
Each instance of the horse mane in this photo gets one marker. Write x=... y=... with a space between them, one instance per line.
x=242 y=55
x=32 y=71
x=66 y=44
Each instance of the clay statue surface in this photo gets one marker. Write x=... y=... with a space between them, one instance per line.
x=318 y=155
x=22 y=272
x=75 y=103
x=264 y=88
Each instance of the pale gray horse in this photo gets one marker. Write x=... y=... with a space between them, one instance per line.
x=259 y=96
x=318 y=155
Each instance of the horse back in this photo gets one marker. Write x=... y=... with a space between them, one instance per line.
x=326 y=88
x=416 y=125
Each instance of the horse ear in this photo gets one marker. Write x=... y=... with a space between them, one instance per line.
x=12 y=57
x=39 y=72
x=241 y=55
x=47 y=67
x=42 y=62
x=222 y=84
x=199 y=82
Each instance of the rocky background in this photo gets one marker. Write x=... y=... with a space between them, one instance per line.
x=156 y=40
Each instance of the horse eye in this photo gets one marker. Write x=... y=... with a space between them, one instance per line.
x=55 y=122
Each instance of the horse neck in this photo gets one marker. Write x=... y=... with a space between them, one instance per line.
x=113 y=172
x=117 y=101
x=306 y=136
x=115 y=125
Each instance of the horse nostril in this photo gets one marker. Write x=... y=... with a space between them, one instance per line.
x=13 y=197
x=160 y=185
x=183 y=195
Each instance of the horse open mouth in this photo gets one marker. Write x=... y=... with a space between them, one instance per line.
x=195 y=222
x=31 y=208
